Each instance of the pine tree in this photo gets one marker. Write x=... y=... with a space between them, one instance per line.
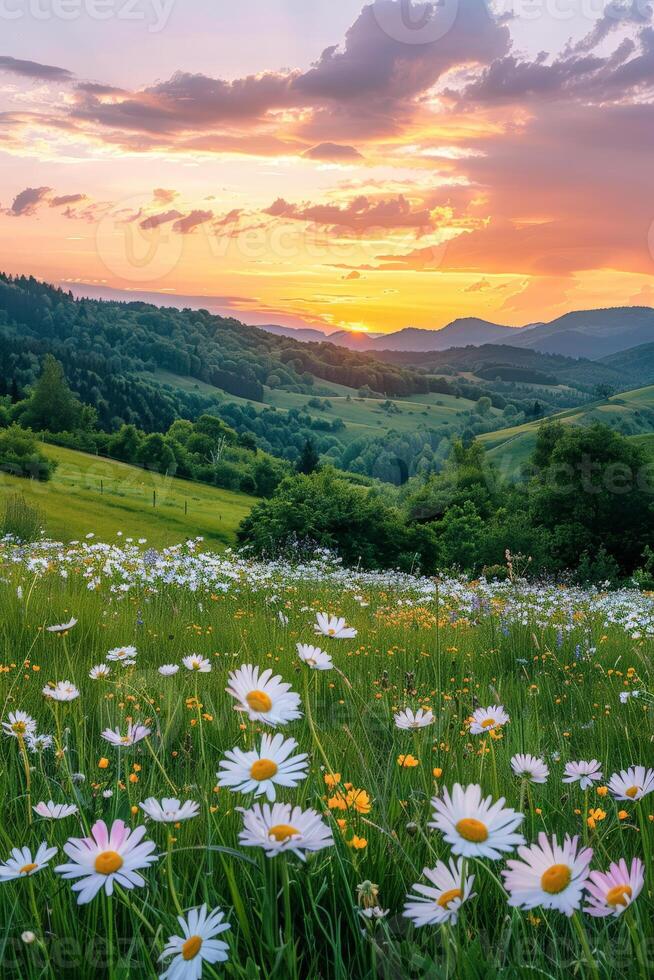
x=309 y=461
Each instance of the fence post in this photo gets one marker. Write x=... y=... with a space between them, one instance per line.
x=154 y=498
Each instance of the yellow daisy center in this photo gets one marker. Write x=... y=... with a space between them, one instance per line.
x=263 y=769
x=25 y=870
x=448 y=897
x=618 y=895
x=632 y=792
x=556 y=879
x=472 y=830
x=488 y=723
x=107 y=862
x=283 y=831
x=331 y=631
x=259 y=701
x=19 y=727
x=191 y=947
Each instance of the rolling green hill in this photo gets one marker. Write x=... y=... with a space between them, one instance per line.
x=630 y=412
x=90 y=494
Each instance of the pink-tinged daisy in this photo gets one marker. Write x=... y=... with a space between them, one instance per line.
x=169 y=810
x=314 y=657
x=486 y=719
x=196 y=945
x=476 y=827
x=632 y=784
x=334 y=627
x=439 y=902
x=100 y=672
x=21 y=864
x=107 y=856
x=613 y=891
x=61 y=691
x=263 y=697
x=261 y=770
x=19 y=725
x=407 y=720
x=281 y=828
x=529 y=767
x=134 y=734
x=549 y=875
x=168 y=670
x=54 y=811
x=584 y=773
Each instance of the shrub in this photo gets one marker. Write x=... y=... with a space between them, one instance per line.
x=20 y=456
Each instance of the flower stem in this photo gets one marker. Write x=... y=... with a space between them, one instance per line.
x=583 y=939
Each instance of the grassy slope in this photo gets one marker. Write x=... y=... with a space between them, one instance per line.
x=510 y=448
x=362 y=416
x=73 y=505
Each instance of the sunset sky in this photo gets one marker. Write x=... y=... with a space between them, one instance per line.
x=332 y=164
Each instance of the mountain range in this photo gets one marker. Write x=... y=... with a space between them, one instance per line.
x=584 y=333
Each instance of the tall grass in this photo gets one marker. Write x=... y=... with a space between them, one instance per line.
x=288 y=919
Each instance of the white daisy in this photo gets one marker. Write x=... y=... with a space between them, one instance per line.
x=260 y=770
x=548 y=874
x=584 y=773
x=530 y=768
x=196 y=945
x=476 y=827
x=107 y=856
x=632 y=784
x=123 y=655
x=39 y=743
x=62 y=627
x=314 y=657
x=280 y=827
x=407 y=719
x=133 y=734
x=333 y=626
x=195 y=662
x=20 y=725
x=433 y=906
x=612 y=892
x=61 y=691
x=264 y=697
x=100 y=672
x=21 y=864
x=169 y=810
x=167 y=670
x=55 y=811
x=487 y=719
x=626 y=695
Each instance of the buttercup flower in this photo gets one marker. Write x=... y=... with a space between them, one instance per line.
x=584 y=773
x=440 y=902
x=21 y=864
x=196 y=945
x=530 y=768
x=632 y=784
x=612 y=892
x=107 y=856
x=476 y=827
x=488 y=719
x=260 y=771
x=314 y=657
x=334 y=627
x=264 y=697
x=407 y=719
x=169 y=810
x=284 y=828
x=548 y=874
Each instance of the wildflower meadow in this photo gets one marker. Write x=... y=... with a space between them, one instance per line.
x=217 y=767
